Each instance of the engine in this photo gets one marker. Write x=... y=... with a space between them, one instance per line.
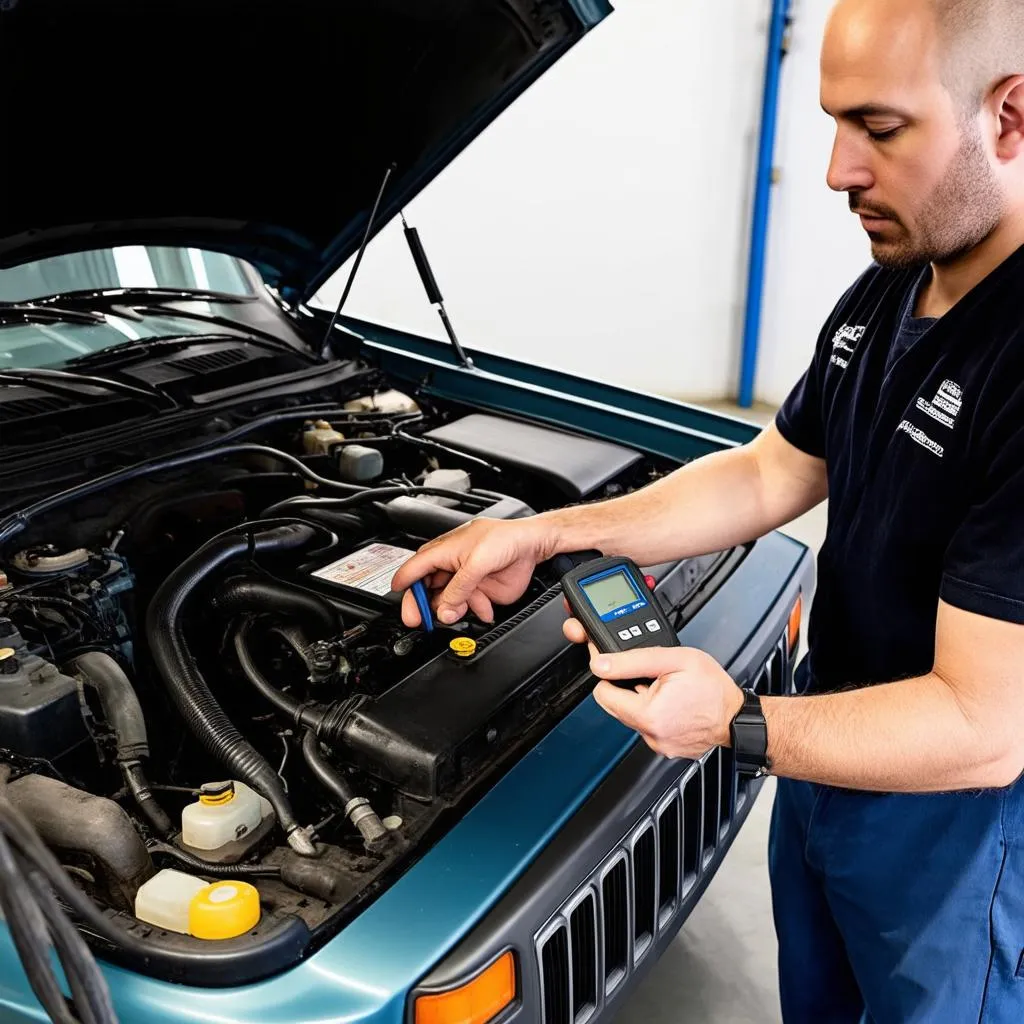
x=203 y=667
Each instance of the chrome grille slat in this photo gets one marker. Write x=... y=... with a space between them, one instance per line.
x=638 y=889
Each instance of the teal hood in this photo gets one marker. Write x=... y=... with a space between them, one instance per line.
x=262 y=129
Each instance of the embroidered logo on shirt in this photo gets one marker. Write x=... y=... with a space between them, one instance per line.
x=946 y=405
x=844 y=341
x=918 y=435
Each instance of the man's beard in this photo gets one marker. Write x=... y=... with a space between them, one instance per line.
x=962 y=211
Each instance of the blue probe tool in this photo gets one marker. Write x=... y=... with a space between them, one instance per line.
x=420 y=593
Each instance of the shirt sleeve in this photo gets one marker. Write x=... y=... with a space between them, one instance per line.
x=800 y=420
x=983 y=571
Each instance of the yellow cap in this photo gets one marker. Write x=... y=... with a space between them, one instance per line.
x=463 y=646
x=213 y=794
x=224 y=910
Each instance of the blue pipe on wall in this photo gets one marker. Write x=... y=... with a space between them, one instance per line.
x=762 y=200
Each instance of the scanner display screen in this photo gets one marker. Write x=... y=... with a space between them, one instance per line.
x=609 y=593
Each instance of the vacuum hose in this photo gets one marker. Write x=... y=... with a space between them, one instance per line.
x=180 y=674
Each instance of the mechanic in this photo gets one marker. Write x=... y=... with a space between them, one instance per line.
x=897 y=844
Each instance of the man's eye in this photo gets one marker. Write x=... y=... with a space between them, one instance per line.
x=884 y=134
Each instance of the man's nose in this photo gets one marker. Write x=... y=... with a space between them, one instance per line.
x=848 y=170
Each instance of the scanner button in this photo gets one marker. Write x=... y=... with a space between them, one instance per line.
x=625 y=634
x=636 y=631
x=653 y=626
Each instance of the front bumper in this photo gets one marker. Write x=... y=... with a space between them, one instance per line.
x=613 y=888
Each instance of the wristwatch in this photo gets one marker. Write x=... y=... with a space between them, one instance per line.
x=748 y=733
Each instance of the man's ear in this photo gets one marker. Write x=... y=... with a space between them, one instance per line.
x=1008 y=104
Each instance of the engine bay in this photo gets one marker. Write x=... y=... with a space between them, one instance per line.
x=204 y=674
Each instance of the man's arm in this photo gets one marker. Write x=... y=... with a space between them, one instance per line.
x=714 y=503
x=959 y=727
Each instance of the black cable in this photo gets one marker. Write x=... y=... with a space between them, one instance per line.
x=29 y=934
x=88 y=986
x=203 y=867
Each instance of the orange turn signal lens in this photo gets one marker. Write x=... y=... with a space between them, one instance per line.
x=476 y=1002
x=794 y=623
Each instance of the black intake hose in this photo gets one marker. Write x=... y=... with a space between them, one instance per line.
x=180 y=674
x=259 y=595
x=304 y=714
x=123 y=712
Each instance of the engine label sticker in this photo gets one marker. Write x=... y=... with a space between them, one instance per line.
x=371 y=568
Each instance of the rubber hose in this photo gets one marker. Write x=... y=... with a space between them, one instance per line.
x=258 y=595
x=357 y=809
x=305 y=715
x=120 y=704
x=138 y=785
x=123 y=712
x=325 y=774
x=180 y=674
x=203 y=867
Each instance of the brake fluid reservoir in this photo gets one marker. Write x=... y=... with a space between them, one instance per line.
x=224 y=812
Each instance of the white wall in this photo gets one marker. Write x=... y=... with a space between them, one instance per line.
x=816 y=246
x=601 y=224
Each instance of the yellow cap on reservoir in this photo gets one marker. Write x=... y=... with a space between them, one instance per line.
x=463 y=646
x=224 y=910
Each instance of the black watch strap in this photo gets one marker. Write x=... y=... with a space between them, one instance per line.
x=748 y=734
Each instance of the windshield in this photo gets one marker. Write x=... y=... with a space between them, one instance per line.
x=51 y=344
x=128 y=266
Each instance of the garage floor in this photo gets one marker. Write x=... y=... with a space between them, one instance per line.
x=721 y=968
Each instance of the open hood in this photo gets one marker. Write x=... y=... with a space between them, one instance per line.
x=255 y=128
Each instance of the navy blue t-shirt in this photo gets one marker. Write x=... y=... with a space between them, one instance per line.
x=921 y=425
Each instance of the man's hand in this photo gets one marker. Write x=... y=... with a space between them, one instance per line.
x=483 y=563
x=684 y=712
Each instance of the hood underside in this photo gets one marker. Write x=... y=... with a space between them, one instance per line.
x=256 y=128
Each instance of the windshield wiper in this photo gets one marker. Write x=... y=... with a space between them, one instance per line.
x=32 y=313
x=137 y=303
x=133 y=351
x=137 y=296
x=67 y=382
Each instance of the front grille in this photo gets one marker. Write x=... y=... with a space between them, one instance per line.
x=603 y=932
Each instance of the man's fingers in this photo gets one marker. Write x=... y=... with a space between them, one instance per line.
x=421 y=565
x=410 y=611
x=455 y=597
x=642 y=663
x=574 y=631
x=481 y=606
x=625 y=705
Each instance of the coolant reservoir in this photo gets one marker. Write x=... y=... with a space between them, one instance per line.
x=165 y=899
x=224 y=812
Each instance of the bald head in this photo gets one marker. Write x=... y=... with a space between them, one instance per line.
x=928 y=100
x=981 y=44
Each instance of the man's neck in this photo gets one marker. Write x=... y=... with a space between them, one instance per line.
x=951 y=281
